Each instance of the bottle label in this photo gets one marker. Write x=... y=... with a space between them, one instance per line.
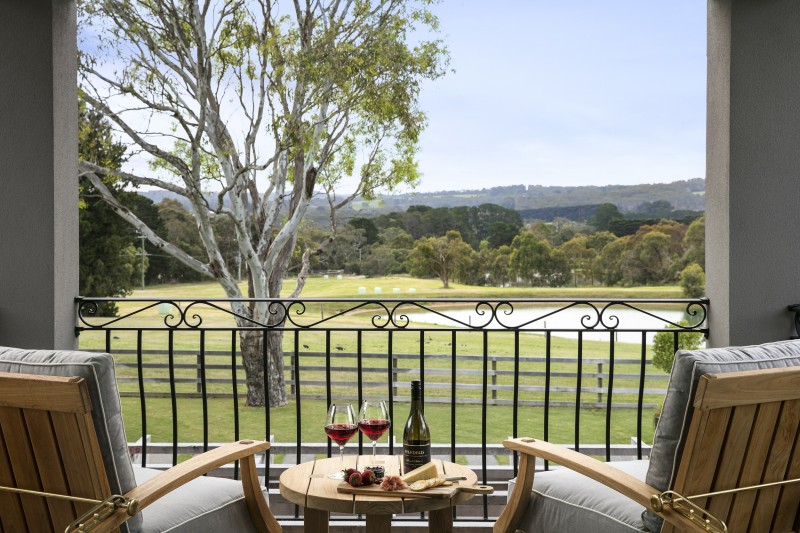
x=415 y=455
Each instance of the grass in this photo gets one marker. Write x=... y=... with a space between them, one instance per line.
x=348 y=287
x=469 y=420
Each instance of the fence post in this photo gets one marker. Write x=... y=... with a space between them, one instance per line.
x=199 y=384
x=394 y=376
x=494 y=378
x=293 y=361
x=600 y=382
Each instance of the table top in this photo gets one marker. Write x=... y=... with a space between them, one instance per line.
x=308 y=485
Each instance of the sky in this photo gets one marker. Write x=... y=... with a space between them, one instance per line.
x=569 y=92
x=561 y=92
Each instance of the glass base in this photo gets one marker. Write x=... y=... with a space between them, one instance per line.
x=336 y=475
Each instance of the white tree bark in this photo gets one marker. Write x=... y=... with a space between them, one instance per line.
x=257 y=100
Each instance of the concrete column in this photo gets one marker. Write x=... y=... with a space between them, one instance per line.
x=38 y=168
x=753 y=169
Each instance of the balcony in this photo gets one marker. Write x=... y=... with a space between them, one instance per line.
x=575 y=372
x=752 y=161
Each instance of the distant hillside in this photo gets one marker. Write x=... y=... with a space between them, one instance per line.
x=686 y=195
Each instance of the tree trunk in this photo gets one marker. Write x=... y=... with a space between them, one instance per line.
x=253 y=360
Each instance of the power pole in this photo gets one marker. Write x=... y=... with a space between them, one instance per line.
x=141 y=236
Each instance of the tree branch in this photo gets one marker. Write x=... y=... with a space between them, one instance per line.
x=137 y=223
x=86 y=167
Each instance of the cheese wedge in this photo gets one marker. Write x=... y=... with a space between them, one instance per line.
x=426 y=471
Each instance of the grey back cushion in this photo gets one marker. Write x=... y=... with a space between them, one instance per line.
x=676 y=415
x=98 y=371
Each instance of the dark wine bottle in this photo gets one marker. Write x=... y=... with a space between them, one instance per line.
x=416 y=435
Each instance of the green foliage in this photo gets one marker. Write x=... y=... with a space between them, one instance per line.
x=344 y=253
x=366 y=224
x=443 y=257
x=664 y=346
x=655 y=209
x=502 y=233
x=608 y=265
x=578 y=213
x=652 y=252
x=693 y=281
x=179 y=228
x=579 y=255
x=475 y=224
x=108 y=261
x=694 y=243
x=604 y=216
x=535 y=260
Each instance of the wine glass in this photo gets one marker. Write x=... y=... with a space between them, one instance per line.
x=340 y=426
x=373 y=421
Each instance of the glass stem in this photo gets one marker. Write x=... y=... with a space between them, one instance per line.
x=374 y=443
x=341 y=456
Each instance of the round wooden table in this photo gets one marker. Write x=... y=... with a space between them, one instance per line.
x=308 y=486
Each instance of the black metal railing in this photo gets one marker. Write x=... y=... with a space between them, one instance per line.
x=490 y=369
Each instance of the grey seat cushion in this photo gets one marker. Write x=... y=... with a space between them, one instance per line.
x=205 y=504
x=676 y=415
x=567 y=502
x=98 y=371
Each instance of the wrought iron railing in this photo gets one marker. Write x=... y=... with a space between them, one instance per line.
x=577 y=372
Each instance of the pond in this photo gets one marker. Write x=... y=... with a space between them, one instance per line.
x=563 y=321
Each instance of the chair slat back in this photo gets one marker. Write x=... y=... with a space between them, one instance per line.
x=744 y=432
x=47 y=444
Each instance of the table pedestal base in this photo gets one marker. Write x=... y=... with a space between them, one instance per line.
x=379 y=523
x=315 y=521
x=441 y=520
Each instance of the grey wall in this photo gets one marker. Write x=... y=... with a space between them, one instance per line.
x=753 y=169
x=38 y=168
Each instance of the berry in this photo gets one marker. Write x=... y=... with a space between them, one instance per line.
x=367 y=478
x=354 y=479
x=348 y=472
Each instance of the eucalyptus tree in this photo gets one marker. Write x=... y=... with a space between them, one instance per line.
x=444 y=257
x=266 y=103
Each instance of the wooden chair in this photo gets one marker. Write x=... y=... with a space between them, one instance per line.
x=52 y=469
x=742 y=443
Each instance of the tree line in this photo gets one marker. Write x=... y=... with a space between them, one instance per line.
x=499 y=250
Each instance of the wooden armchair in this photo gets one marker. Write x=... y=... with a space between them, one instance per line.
x=742 y=443
x=54 y=463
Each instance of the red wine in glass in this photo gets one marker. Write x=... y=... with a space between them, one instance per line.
x=373 y=421
x=340 y=426
x=341 y=433
x=374 y=428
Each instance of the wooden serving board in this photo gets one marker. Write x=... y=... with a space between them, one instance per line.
x=435 y=492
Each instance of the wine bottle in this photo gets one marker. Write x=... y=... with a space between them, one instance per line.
x=416 y=435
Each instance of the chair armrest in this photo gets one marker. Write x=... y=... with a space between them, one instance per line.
x=622 y=482
x=164 y=483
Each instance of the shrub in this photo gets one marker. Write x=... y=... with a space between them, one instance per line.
x=664 y=349
x=693 y=281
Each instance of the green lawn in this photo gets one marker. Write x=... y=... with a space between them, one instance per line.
x=311 y=344
x=348 y=287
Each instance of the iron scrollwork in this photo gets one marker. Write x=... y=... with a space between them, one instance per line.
x=399 y=314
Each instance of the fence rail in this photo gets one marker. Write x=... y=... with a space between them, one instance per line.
x=199 y=364
x=576 y=372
